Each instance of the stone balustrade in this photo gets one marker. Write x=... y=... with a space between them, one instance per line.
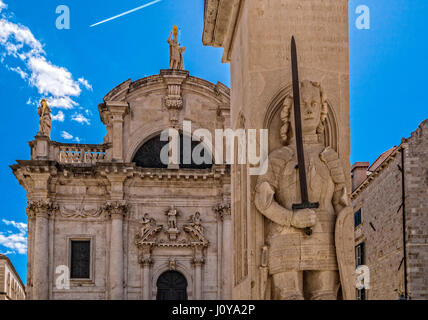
x=81 y=153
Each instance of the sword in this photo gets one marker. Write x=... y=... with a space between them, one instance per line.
x=299 y=138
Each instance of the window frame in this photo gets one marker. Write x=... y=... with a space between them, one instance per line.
x=362 y=254
x=91 y=240
x=358 y=213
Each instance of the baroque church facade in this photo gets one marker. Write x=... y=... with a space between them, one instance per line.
x=117 y=220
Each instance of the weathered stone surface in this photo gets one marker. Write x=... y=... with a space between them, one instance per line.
x=380 y=199
x=256 y=37
x=96 y=193
x=11 y=286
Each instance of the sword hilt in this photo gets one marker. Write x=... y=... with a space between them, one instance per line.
x=306 y=205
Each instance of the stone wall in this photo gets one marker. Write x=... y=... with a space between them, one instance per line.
x=381 y=231
x=380 y=199
x=256 y=39
x=11 y=286
x=417 y=211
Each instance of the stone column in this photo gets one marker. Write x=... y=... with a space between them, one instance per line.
x=116 y=210
x=198 y=261
x=40 y=210
x=227 y=255
x=146 y=262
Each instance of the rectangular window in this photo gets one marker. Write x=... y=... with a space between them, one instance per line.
x=360 y=260
x=361 y=294
x=357 y=218
x=80 y=259
x=360 y=254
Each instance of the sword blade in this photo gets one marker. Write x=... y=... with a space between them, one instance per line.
x=298 y=124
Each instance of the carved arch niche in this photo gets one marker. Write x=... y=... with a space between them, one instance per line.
x=273 y=122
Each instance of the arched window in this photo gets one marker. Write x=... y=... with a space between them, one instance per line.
x=171 y=285
x=148 y=156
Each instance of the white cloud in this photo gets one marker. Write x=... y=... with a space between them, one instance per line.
x=77 y=139
x=85 y=83
x=15 y=241
x=59 y=117
x=78 y=117
x=63 y=103
x=53 y=82
x=19 y=71
x=2 y=5
x=66 y=135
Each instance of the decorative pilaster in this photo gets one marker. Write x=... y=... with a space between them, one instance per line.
x=113 y=114
x=41 y=210
x=116 y=210
x=198 y=262
x=225 y=213
x=146 y=263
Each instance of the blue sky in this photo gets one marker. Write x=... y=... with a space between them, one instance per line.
x=388 y=65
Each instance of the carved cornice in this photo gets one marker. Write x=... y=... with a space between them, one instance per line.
x=116 y=209
x=41 y=208
x=220 y=24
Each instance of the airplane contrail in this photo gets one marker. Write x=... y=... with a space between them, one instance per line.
x=125 y=13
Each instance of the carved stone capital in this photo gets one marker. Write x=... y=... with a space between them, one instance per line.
x=198 y=262
x=146 y=256
x=41 y=208
x=224 y=210
x=116 y=209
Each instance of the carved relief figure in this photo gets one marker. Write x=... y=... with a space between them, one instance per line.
x=148 y=230
x=197 y=223
x=175 y=51
x=45 y=122
x=303 y=266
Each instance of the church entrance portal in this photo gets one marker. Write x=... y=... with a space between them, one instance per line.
x=172 y=285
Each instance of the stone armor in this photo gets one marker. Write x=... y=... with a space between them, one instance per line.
x=290 y=248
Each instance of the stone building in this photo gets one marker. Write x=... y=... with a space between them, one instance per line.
x=256 y=37
x=124 y=224
x=11 y=286
x=391 y=220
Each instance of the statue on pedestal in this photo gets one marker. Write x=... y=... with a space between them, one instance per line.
x=175 y=51
x=302 y=264
x=45 y=122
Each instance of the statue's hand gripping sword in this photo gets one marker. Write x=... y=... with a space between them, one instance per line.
x=299 y=137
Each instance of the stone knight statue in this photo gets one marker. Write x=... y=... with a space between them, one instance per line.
x=302 y=266
x=175 y=51
x=45 y=122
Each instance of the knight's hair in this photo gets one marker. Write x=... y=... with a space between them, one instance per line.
x=286 y=111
